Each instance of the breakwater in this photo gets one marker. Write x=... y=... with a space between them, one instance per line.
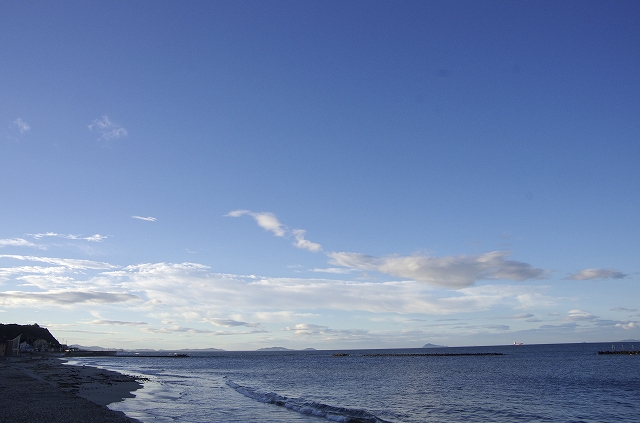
x=429 y=354
x=621 y=352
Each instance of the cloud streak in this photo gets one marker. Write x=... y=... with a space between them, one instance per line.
x=62 y=298
x=17 y=242
x=73 y=264
x=92 y=238
x=115 y=323
x=589 y=274
x=148 y=219
x=453 y=272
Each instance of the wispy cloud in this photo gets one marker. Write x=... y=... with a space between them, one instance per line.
x=148 y=219
x=62 y=297
x=522 y=316
x=319 y=330
x=68 y=263
x=92 y=238
x=180 y=329
x=18 y=242
x=269 y=222
x=281 y=316
x=115 y=323
x=21 y=125
x=631 y=310
x=227 y=322
x=451 y=272
x=108 y=130
x=588 y=274
x=190 y=290
x=334 y=270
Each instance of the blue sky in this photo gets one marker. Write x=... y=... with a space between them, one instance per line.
x=320 y=174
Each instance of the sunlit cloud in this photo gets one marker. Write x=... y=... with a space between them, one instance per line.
x=577 y=315
x=588 y=274
x=190 y=290
x=628 y=326
x=108 y=130
x=269 y=222
x=148 y=219
x=304 y=244
x=451 y=272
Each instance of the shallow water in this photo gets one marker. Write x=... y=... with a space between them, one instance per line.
x=536 y=383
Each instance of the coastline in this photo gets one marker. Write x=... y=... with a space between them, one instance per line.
x=44 y=389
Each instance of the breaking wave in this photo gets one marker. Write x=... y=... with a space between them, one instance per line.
x=329 y=412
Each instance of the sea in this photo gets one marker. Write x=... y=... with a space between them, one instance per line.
x=528 y=383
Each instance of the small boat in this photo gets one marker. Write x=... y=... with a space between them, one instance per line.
x=518 y=344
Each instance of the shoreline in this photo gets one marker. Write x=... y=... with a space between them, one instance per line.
x=41 y=388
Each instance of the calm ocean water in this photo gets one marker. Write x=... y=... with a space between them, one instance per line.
x=531 y=383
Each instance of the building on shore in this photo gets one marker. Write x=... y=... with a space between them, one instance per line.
x=10 y=347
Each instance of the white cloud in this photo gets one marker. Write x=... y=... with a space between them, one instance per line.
x=628 y=326
x=588 y=274
x=92 y=238
x=624 y=309
x=334 y=270
x=303 y=243
x=281 y=316
x=190 y=287
x=452 y=272
x=578 y=315
x=68 y=263
x=22 y=125
x=227 y=322
x=96 y=238
x=190 y=292
x=269 y=222
x=148 y=219
x=108 y=129
x=17 y=242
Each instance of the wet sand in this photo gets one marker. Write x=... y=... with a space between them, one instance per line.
x=44 y=389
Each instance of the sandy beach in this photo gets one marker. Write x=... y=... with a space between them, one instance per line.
x=44 y=389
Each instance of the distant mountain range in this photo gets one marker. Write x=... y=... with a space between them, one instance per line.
x=433 y=346
x=274 y=349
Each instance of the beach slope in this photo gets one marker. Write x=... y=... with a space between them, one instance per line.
x=47 y=390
